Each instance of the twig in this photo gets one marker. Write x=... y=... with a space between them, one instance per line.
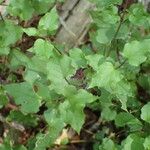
x=89 y=132
x=13 y=107
x=80 y=141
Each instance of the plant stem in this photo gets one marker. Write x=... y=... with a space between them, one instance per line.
x=1 y=17
x=121 y=64
x=119 y=26
x=57 y=50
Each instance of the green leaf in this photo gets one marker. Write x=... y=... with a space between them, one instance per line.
x=25 y=96
x=6 y=145
x=132 y=142
x=27 y=120
x=37 y=64
x=4 y=50
x=123 y=90
x=31 y=76
x=31 y=31
x=68 y=112
x=108 y=114
x=94 y=60
x=9 y=34
x=136 y=52
x=58 y=70
x=106 y=18
x=105 y=35
x=138 y=16
x=79 y=98
x=44 y=92
x=144 y=81
x=20 y=147
x=34 y=64
x=43 y=6
x=43 y=49
x=105 y=98
x=107 y=144
x=52 y=117
x=106 y=76
x=77 y=57
x=46 y=140
x=49 y=22
x=56 y=124
x=73 y=108
x=22 y=9
x=145 y=113
x=127 y=143
x=107 y=3
x=3 y=98
x=123 y=119
x=147 y=143
x=18 y=59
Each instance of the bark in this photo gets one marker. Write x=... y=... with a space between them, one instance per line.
x=74 y=20
x=3 y=7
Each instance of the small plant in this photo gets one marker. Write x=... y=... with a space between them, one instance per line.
x=44 y=83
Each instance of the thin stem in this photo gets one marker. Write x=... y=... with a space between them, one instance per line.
x=117 y=52
x=109 y=51
x=121 y=64
x=67 y=81
x=119 y=26
x=57 y=50
x=1 y=17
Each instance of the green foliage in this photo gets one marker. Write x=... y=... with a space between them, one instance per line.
x=107 y=144
x=9 y=34
x=145 y=115
x=3 y=96
x=47 y=25
x=51 y=86
x=107 y=2
x=27 y=120
x=147 y=143
x=49 y=22
x=141 y=49
x=41 y=45
x=29 y=101
x=133 y=141
x=128 y=119
x=25 y=9
x=138 y=16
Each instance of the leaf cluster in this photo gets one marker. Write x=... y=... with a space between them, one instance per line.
x=56 y=86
